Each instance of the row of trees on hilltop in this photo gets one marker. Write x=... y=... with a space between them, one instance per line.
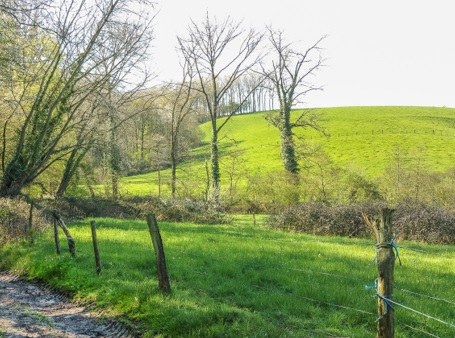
x=75 y=91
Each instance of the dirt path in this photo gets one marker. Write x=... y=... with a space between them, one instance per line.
x=31 y=310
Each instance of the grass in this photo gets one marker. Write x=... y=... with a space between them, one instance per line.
x=238 y=280
x=363 y=139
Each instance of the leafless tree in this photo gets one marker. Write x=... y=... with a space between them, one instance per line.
x=290 y=73
x=181 y=98
x=220 y=53
x=19 y=10
x=69 y=52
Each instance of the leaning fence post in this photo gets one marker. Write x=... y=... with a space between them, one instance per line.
x=385 y=256
x=95 y=247
x=71 y=242
x=56 y=239
x=163 y=278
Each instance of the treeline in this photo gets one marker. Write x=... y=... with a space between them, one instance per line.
x=78 y=102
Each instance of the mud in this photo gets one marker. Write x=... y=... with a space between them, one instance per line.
x=32 y=310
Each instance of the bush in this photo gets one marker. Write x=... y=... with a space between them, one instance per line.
x=178 y=210
x=182 y=210
x=321 y=219
x=423 y=222
x=95 y=207
x=411 y=221
x=14 y=218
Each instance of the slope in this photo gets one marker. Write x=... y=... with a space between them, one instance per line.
x=365 y=139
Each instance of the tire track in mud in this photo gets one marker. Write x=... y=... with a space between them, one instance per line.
x=31 y=310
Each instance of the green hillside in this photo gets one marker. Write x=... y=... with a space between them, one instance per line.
x=364 y=139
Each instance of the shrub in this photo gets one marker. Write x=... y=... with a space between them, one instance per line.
x=96 y=207
x=182 y=210
x=321 y=219
x=178 y=210
x=412 y=220
x=14 y=218
x=423 y=222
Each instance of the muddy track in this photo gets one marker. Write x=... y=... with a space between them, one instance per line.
x=32 y=310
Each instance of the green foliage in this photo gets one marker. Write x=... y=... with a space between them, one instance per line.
x=238 y=280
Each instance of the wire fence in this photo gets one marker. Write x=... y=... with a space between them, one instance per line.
x=388 y=300
x=417 y=132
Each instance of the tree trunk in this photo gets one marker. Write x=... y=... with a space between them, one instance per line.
x=76 y=156
x=114 y=178
x=67 y=175
x=159 y=181
x=173 y=166
x=287 y=142
x=173 y=176
x=207 y=182
x=115 y=165
x=12 y=183
x=142 y=140
x=215 y=168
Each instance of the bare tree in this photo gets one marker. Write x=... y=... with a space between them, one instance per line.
x=290 y=74
x=21 y=10
x=220 y=53
x=66 y=52
x=181 y=97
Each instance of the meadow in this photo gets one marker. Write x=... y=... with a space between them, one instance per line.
x=241 y=280
x=366 y=140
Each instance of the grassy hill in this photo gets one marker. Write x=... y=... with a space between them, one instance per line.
x=364 y=139
x=241 y=280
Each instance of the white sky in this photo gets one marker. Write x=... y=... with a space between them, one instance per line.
x=387 y=52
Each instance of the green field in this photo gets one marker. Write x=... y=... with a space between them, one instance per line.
x=362 y=139
x=238 y=280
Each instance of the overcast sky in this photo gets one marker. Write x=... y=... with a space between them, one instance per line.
x=399 y=52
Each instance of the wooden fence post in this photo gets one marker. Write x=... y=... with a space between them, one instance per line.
x=95 y=247
x=71 y=242
x=56 y=239
x=30 y=223
x=163 y=278
x=382 y=229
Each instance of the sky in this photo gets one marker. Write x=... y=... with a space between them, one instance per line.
x=399 y=52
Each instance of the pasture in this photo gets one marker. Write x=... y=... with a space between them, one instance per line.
x=366 y=140
x=239 y=280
